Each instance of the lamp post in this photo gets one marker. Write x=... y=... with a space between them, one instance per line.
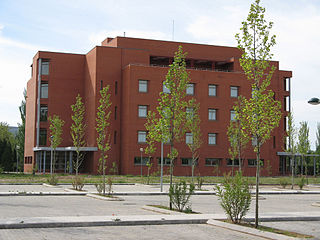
x=51 y=155
x=161 y=175
x=314 y=101
x=18 y=147
x=141 y=150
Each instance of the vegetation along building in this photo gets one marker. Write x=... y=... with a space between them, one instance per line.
x=135 y=70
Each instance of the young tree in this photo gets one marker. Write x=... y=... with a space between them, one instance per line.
x=102 y=128
x=21 y=131
x=261 y=113
x=170 y=123
x=150 y=149
x=77 y=131
x=7 y=147
x=193 y=126
x=237 y=137
x=303 y=144
x=56 y=125
x=291 y=147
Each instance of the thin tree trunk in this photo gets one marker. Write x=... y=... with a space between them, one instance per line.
x=171 y=173
x=104 y=176
x=256 y=223
x=292 y=174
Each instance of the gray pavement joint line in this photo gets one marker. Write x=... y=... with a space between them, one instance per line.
x=247 y=230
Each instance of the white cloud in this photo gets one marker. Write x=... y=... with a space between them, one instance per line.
x=213 y=30
x=97 y=38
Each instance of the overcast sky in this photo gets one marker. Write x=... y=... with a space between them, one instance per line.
x=76 y=26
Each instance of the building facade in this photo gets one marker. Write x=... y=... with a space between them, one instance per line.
x=135 y=70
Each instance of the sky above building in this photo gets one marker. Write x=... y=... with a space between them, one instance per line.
x=76 y=26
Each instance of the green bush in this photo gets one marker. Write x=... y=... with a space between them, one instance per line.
x=200 y=182
x=235 y=196
x=53 y=180
x=301 y=182
x=78 y=182
x=179 y=195
x=283 y=182
x=100 y=186
x=107 y=187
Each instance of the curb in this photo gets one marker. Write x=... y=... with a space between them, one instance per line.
x=3 y=194
x=54 y=222
x=248 y=230
x=104 y=198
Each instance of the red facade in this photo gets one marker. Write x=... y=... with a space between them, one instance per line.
x=123 y=63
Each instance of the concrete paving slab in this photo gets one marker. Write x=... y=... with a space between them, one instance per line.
x=247 y=230
x=142 y=232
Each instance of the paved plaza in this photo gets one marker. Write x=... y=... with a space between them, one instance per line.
x=29 y=204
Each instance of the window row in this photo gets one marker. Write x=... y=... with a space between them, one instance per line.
x=212 y=89
x=212 y=138
x=212 y=113
x=208 y=161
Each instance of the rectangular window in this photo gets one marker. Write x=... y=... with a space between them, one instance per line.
x=212 y=90
x=213 y=161
x=43 y=113
x=143 y=86
x=274 y=141
x=234 y=91
x=286 y=103
x=212 y=114
x=115 y=137
x=286 y=84
x=44 y=90
x=142 y=111
x=166 y=161
x=101 y=84
x=232 y=115
x=190 y=89
x=165 y=89
x=142 y=136
x=189 y=111
x=115 y=112
x=137 y=160
x=231 y=162
x=212 y=138
x=189 y=139
x=253 y=162
x=187 y=161
x=43 y=137
x=45 y=67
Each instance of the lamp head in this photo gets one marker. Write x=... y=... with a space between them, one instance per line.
x=314 y=101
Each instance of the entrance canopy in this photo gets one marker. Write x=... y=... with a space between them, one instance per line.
x=66 y=149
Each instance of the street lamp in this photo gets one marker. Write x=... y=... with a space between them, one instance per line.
x=51 y=157
x=141 y=150
x=18 y=147
x=314 y=101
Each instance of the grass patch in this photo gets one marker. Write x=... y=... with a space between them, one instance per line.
x=273 y=230
x=92 y=179
x=167 y=208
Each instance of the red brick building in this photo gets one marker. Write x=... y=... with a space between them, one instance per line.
x=135 y=70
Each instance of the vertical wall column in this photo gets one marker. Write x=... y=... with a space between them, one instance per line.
x=44 y=162
x=65 y=162
x=70 y=162
x=38 y=101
